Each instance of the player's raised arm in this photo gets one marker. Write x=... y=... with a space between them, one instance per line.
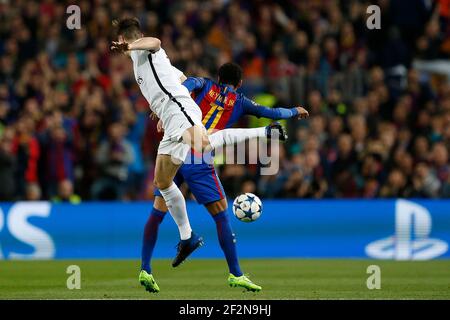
x=252 y=108
x=146 y=43
x=130 y=37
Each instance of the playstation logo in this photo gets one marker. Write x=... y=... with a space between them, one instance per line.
x=411 y=240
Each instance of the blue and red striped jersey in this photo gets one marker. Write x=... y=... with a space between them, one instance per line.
x=222 y=106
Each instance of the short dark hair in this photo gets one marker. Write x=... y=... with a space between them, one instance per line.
x=129 y=28
x=230 y=73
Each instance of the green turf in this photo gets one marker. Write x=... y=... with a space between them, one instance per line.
x=206 y=279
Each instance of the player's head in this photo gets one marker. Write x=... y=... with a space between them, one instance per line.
x=128 y=29
x=230 y=73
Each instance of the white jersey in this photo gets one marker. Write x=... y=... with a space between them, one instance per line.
x=158 y=80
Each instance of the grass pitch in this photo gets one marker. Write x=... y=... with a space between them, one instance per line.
x=206 y=279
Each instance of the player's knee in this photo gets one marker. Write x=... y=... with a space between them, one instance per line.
x=201 y=144
x=161 y=183
x=205 y=142
x=197 y=138
x=222 y=205
x=217 y=207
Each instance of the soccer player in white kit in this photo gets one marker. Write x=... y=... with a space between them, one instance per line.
x=182 y=122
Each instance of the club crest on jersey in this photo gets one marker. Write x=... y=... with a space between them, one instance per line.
x=140 y=80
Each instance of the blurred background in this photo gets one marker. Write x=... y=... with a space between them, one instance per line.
x=74 y=126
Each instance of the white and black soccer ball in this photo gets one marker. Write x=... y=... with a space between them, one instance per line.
x=247 y=207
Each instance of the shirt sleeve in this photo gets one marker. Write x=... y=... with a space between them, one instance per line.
x=193 y=83
x=177 y=72
x=134 y=55
x=252 y=108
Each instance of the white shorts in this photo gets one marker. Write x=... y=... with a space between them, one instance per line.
x=178 y=115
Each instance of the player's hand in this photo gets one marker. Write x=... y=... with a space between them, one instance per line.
x=120 y=46
x=302 y=113
x=159 y=126
x=153 y=116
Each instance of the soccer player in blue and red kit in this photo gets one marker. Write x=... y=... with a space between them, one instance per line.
x=221 y=107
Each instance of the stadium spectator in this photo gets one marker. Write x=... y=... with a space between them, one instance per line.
x=395 y=185
x=439 y=157
x=33 y=192
x=66 y=193
x=113 y=158
x=425 y=182
x=59 y=152
x=26 y=149
x=7 y=163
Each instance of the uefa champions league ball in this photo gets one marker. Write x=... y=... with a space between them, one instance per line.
x=247 y=207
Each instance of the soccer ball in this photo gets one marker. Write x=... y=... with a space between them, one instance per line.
x=247 y=207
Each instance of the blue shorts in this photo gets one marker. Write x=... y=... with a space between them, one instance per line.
x=201 y=179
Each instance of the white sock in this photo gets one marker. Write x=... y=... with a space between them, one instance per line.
x=234 y=136
x=177 y=207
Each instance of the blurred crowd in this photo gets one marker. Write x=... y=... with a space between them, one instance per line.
x=74 y=125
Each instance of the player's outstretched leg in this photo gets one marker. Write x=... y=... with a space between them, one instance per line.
x=197 y=138
x=148 y=282
x=274 y=131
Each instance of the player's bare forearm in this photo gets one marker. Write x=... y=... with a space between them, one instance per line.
x=146 y=43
